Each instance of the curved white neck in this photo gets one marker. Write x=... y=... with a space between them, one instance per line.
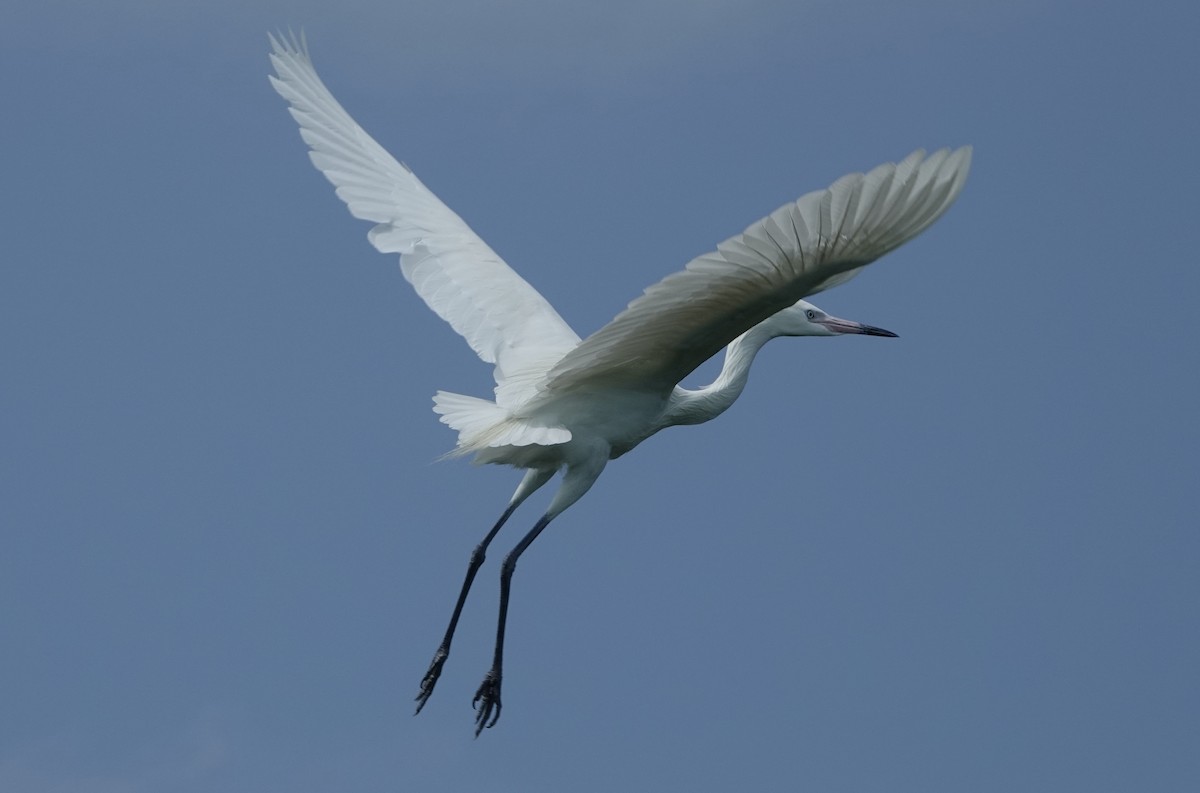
x=705 y=404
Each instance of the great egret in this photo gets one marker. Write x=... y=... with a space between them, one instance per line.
x=565 y=403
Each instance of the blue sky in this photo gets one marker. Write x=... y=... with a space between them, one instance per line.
x=964 y=559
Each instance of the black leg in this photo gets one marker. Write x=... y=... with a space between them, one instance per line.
x=443 y=650
x=487 y=697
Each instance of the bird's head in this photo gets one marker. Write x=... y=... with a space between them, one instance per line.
x=805 y=319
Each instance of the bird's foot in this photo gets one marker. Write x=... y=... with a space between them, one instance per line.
x=487 y=702
x=431 y=677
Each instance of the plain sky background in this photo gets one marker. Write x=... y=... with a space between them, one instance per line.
x=966 y=559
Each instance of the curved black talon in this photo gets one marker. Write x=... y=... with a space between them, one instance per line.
x=431 y=678
x=486 y=699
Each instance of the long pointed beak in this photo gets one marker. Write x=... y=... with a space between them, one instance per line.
x=849 y=326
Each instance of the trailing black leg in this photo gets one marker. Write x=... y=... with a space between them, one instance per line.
x=487 y=697
x=443 y=650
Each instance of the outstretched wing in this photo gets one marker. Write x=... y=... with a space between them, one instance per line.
x=504 y=319
x=819 y=241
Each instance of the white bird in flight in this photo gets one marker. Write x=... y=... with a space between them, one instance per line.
x=562 y=403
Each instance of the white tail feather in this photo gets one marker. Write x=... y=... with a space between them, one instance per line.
x=482 y=424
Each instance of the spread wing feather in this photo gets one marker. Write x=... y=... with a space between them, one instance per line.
x=818 y=241
x=504 y=319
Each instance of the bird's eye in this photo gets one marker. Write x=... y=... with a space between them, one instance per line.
x=811 y=314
